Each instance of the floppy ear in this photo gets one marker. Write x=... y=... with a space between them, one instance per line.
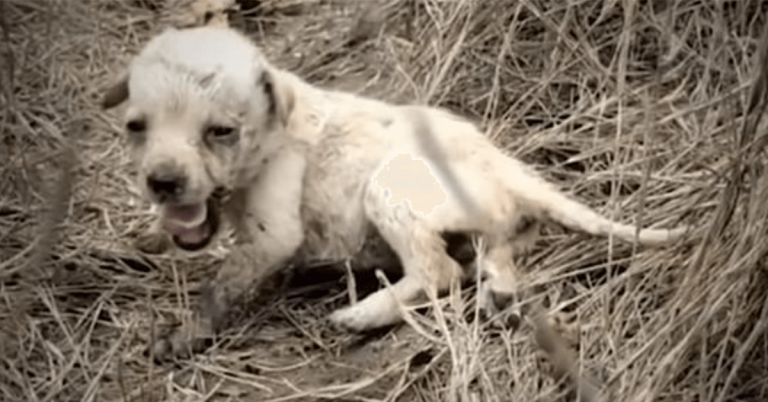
x=280 y=95
x=116 y=94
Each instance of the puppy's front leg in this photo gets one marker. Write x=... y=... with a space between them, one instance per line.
x=269 y=232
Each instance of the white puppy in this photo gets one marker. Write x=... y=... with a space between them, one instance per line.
x=310 y=173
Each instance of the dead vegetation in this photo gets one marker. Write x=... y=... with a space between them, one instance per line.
x=648 y=110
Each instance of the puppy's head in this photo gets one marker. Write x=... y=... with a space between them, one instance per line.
x=204 y=112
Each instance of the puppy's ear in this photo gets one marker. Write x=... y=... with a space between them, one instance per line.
x=116 y=94
x=280 y=94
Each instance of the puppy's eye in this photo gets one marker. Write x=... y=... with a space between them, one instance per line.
x=222 y=133
x=136 y=126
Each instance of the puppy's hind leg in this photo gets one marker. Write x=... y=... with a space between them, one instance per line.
x=421 y=250
x=498 y=287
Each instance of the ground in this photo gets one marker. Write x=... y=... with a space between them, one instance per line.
x=648 y=111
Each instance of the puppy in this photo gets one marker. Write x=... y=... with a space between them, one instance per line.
x=220 y=135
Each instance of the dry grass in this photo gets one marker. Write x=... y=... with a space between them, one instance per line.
x=648 y=111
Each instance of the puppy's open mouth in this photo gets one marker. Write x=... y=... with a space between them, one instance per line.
x=192 y=226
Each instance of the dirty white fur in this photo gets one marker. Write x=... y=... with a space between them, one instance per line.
x=305 y=162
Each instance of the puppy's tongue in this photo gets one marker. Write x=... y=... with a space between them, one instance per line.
x=186 y=222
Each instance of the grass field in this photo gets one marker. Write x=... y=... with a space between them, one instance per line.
x=648 y=111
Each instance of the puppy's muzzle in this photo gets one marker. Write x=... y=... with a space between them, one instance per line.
x=167 y=183
x=191 y=219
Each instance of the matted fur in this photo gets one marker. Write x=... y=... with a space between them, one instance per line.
x=303 y=169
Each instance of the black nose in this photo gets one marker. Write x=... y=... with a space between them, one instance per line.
x=166 y=183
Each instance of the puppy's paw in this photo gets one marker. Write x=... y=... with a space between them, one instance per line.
x=499 y=307
x=350 y=318
x=152 y=242
x=566 y=325
x=355 y=318
x=182 y=343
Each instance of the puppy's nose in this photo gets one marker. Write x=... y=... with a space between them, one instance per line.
x=166 y=183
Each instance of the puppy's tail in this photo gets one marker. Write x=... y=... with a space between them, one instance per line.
x=546 y=200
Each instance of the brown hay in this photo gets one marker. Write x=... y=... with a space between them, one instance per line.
x=649 y=111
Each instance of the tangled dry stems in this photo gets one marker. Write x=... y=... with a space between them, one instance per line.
x=649 y=111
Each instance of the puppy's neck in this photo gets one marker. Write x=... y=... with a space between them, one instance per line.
x=234 y=209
